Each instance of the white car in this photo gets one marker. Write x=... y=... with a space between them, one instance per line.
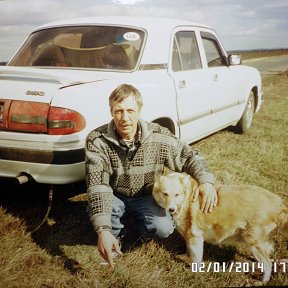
x=55 y=88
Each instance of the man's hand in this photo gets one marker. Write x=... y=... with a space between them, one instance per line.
x=107 y=242
x=209 y=197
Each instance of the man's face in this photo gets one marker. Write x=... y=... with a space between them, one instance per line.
x=126 y=115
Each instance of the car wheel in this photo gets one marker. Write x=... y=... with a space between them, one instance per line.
x=245 y=122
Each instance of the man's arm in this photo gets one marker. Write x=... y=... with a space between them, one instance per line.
x=100 y=196
x=196 y=166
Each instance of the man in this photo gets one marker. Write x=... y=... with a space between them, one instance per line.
x=123 y=160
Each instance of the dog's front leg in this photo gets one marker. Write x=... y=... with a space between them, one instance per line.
x=194 y=247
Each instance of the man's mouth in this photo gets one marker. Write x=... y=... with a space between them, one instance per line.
x=125 y=126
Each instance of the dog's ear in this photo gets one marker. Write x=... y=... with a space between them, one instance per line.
x=185 y=179
x=189 y=183
x=156 y=183
x=194 y=184
x=186 y=182
x=166 y=171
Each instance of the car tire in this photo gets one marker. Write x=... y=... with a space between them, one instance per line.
x=246 y=120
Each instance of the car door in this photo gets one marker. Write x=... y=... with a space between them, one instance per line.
x=223 y=84
x=190 y=80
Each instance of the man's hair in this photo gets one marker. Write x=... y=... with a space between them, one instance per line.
x=122 y=92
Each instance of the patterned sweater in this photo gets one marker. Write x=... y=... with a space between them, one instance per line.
x=109 y=170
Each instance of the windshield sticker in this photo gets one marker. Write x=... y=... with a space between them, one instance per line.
x=131 y=36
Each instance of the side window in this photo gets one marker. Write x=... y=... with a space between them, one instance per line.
x=185 y=52
x=214 y=55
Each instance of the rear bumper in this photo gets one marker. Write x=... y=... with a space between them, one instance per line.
x=44 y=166
x=44 y=173
x=43 y=156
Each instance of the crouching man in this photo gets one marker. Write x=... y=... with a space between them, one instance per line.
x=123 y=159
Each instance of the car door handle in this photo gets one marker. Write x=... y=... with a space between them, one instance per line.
x=215 y=77
x=182 y=84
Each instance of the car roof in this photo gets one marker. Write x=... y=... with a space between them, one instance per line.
x=141 y=22
x=158 y=31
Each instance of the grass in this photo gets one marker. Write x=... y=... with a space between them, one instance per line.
x=63 y=252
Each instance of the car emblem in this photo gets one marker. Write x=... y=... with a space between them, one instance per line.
x=35 y=93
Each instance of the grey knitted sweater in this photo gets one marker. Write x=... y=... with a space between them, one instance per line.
x=109 y=170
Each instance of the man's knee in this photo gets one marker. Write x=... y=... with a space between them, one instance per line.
x=118 y=210
x=161 y=227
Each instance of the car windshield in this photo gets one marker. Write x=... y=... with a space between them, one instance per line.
x=99 y=47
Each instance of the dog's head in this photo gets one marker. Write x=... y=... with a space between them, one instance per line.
x=170 y=190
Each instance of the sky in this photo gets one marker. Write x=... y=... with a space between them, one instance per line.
x=241 y=24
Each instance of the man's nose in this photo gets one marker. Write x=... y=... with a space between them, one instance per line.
x=125 y=115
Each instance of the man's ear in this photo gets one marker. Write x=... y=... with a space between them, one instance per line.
x=166 y=171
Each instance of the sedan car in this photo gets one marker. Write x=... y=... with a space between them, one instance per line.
x=55 y=89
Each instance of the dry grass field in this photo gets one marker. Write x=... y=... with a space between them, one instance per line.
x=63 y=252
x=249 y=54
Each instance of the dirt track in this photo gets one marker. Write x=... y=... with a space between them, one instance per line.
x=269 y=65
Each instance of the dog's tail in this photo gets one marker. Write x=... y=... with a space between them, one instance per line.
x=282 y=221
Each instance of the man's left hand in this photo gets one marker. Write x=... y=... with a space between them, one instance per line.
x=209 y=197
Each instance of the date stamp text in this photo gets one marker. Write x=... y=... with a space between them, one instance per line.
x=238 y=267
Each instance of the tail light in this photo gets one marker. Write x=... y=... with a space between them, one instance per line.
x=28 y=116
x=63 y=121
x=38 y=117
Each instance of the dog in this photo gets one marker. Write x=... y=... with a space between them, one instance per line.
x=244 y=214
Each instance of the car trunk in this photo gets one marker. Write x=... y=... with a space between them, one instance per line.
x=26 y=103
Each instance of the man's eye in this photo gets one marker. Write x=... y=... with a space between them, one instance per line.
x=165 y=193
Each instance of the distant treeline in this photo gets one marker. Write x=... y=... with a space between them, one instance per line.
x=256 y=53
x=3 y=63
x=261 y=50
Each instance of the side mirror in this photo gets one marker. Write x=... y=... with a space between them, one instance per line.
x=234 y=60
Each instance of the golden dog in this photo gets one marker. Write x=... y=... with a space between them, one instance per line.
x=247 y=214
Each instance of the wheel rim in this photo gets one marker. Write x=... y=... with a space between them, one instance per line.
x=249 y=112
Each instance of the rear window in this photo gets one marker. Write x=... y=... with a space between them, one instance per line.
x=100 y=47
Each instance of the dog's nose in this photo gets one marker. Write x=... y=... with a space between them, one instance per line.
x=172 y=210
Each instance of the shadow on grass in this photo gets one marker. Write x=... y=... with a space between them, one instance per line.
x=68 y=223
